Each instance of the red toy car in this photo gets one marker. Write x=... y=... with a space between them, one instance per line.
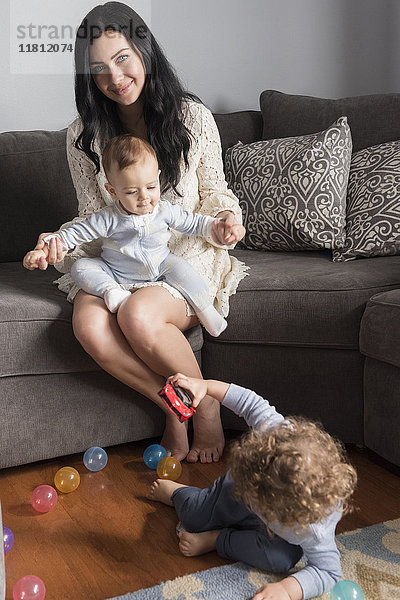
x=178 y=401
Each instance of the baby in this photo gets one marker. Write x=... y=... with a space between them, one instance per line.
x=135 y=231
x=288 y=486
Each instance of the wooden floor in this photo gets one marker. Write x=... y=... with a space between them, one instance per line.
x=106 y=539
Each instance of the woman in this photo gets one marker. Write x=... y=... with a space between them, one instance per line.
x=124 y=83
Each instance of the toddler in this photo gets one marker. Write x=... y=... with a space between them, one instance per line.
x=135 y=231
x=287 y=487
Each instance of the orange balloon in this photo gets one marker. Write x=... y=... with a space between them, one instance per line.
x=169 y=468
x=67 y=479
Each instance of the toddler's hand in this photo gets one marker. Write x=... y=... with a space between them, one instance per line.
x=227 y=231
x=234 y=233
x=272 y=591
x=33 y=259
x=197 y=388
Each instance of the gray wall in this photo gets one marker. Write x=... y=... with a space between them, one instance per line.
x=226 y=51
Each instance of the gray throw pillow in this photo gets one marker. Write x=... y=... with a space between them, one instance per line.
x=292 y=191
x=373 y=204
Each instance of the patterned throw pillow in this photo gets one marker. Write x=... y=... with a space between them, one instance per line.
x=373 y=204
x=292 y=191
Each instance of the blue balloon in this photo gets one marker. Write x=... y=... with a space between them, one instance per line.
x=347 y=590
x=8 y=539
x=95 y=458
x=153 y=454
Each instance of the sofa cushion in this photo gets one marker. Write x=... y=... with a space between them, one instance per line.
x=373 y=204
x=380 y=328
x=292 y=191
x=382 y=410
x=245 y=126
x=373 y=119
x=35 y=326
x=305 y=299
x=37 y=191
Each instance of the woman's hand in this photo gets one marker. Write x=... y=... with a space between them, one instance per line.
x=227 y=231
x=197 y=388
x=56 y=251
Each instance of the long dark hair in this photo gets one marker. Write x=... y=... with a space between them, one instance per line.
x=163 y=93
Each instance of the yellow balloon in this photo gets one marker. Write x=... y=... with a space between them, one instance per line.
x=67 y=479
x=169 y=468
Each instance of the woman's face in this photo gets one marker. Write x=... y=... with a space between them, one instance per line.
x=116 y=69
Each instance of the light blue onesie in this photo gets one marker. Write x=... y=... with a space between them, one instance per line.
x=243 y=536
x=135 y=249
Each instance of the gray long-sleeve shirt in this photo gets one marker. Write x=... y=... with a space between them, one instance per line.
x=317 y=540
x=136 y=243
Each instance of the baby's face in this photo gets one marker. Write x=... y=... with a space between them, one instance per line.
x=137 y=187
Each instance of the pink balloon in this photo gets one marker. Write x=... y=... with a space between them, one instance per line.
x=29 y=587
x=44 y=498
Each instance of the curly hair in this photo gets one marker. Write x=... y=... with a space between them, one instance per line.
x=294 y=473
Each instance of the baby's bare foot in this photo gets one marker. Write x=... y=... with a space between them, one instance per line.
x=162 y=490
x=194 y=544
x=175 y=439
x=208 y=439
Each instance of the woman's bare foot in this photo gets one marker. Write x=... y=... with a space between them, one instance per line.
x=175 y=439
x=162 y=490
x=194 y=544
x=208 y=439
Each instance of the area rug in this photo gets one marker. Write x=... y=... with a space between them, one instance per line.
x=370 y=557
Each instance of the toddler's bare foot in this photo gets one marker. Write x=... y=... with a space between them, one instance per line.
x=208 y=439
x=194 y=544
x=175 y=439
x=162 y=490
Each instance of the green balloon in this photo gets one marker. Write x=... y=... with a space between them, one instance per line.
x=347 y=590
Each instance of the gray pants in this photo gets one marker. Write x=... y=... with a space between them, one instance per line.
x=243 y=536
x=94 y=276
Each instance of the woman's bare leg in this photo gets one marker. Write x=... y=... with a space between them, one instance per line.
x=98 y=332
x=208 y=436
x=163 y=317
x=152 y=321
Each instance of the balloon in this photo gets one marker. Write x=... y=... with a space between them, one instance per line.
x=29 y=587
x=95 y=458
x=153 y=454
x=8 y=539
x=346 y=590
x=169 y=468
x=44 y=498
x=67 y=479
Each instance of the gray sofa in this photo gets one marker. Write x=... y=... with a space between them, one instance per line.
x=294 y=324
